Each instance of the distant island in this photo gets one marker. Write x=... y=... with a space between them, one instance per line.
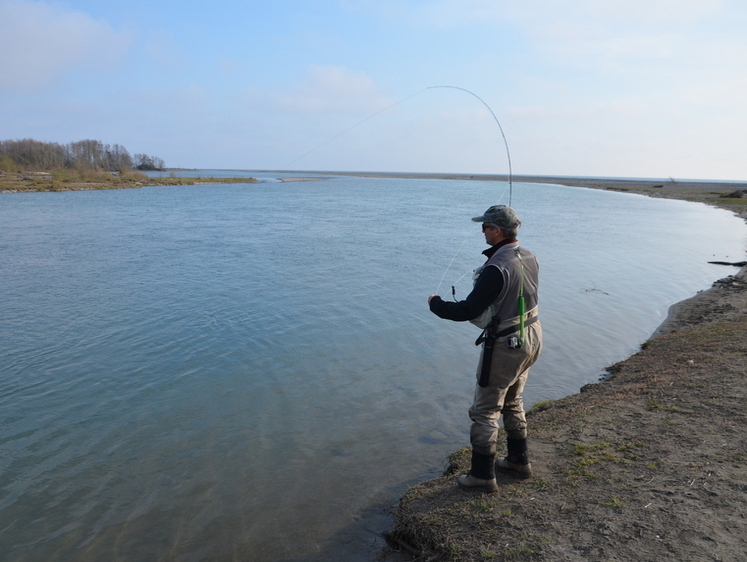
x=31 y=165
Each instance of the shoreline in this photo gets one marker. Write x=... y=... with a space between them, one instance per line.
x=663 y=184
x=710 y=192
x=648 y=464
x=91 y=180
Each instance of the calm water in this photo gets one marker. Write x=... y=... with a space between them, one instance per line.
x=251 y=372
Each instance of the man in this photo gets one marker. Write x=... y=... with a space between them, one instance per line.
x=504 y=303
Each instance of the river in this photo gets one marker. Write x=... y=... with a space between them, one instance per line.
x=250 y=371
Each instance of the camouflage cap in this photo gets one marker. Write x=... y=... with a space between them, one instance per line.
x=501 y=216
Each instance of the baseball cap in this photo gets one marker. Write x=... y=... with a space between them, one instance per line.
x=501 y=216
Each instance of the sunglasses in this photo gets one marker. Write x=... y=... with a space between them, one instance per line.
x=486 y=226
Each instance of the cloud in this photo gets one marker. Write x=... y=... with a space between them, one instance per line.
x=332 y=89
x=606 y=32
x=570 y=113
x=453 y=13
x=41 y=41
x=650 y=11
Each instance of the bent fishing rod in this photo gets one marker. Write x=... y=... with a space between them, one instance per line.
x=500 y=127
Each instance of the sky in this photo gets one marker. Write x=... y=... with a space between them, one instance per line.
x=620 y=88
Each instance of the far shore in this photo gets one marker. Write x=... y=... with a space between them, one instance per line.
x=667 y=184
x=712 y=192
x=71 y=180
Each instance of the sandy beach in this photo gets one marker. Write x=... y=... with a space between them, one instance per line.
x=648 y=465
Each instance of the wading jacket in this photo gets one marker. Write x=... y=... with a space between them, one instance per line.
x=497 y=286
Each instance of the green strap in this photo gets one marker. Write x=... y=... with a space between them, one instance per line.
x=522 y=302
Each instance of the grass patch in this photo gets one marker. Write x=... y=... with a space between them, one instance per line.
x=453 y=551
x=601 y=453
x=482 y=504
x=614 y=501
x=537 y=484
x=581 y=449
x=733 y=201
x=540 y=406
x=459 y=460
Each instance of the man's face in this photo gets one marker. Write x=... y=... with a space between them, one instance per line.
x=492 y=233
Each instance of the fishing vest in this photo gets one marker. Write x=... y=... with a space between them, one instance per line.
x=505 y=309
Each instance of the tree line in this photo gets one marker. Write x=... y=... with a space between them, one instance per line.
x=33 y=155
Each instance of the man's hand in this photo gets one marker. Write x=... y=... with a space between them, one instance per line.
x=431 y=298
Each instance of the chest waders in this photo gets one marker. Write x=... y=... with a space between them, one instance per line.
x=491 y=333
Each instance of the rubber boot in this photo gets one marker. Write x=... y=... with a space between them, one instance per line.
x=517 y=462
x=481 y=476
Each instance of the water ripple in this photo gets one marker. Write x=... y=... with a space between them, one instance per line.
x=191 y=374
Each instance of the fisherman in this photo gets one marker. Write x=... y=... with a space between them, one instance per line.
x=503 y=302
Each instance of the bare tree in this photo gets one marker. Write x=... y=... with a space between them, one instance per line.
x=29 y=154
x=145 y=162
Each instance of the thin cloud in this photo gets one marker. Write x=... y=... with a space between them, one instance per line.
x=42 y=41
x=452 y=13
x=603 y=31
x=332 y=89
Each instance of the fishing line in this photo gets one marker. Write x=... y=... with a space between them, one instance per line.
x=448 y=267
x=510 y=183
x=505 y=143
x=354 y=126
x=500 y=127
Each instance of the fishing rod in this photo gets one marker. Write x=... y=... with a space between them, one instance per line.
x=505 y=142
x=500 y=127
x=510 y=180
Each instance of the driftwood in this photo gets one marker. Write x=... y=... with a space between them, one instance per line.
x=738 y=194
x=735 y=263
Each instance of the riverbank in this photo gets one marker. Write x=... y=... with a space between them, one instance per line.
x=701 y=191
x=89 y=180
x=649 y=465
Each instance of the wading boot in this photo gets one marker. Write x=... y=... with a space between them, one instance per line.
x=481 y=476
x=516 y=463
